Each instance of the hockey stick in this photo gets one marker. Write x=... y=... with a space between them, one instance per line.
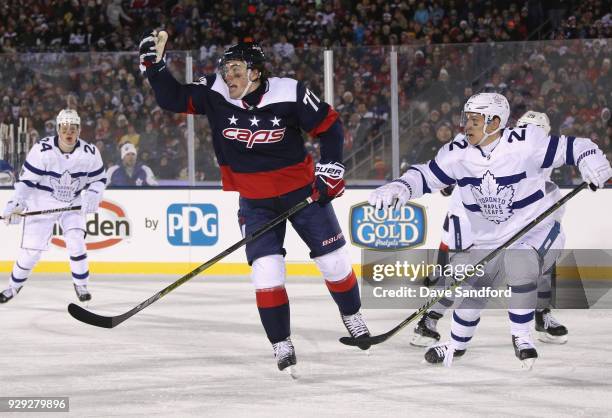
x=91 y=318
x=47 y=211
x=377 y=339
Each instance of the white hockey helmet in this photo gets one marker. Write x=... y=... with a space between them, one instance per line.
x=489 y=105
x=67 y=117
x=538 y=119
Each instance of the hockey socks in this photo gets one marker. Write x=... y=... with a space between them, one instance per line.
x=345 y=293
x=273 y=306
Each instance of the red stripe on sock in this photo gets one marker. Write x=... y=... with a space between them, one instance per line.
x=343 y=285
x=443 y=246
x=271 y=297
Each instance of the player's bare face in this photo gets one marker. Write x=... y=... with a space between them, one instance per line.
x=235 y=74
x=68 y=134
x=474 y=131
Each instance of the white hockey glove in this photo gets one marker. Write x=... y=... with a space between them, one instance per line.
x=396 y=194
x=90 y=201
x=594 y=167
x=11 y=212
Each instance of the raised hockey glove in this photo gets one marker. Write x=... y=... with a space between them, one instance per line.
x=152 y=48
x=329 y=182
x=11 y=212
x=90 y=201
x=594 y=167
x=395 y=193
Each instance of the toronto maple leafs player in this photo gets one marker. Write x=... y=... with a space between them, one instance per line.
x=257 y=123
x=501 y=176
x=456 y=236
x=59 y=171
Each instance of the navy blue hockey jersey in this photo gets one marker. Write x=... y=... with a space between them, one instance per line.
x=259 y=148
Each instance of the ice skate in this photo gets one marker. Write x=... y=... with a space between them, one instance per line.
x=284 y=352
x=437 y=353
x=549 y=330
x=525 y=350
x=356 y=326
x=82 y=292
x=425 y=333
x=9 y=294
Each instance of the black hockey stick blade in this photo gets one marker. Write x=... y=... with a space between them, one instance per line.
x=90 y=318
x=81 y=314
x=377 y=339
x=47 y=211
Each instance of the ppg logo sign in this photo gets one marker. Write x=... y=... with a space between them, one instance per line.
x=192 y=224
x=388 y=229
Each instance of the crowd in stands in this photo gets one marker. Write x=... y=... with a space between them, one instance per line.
x=444 y=50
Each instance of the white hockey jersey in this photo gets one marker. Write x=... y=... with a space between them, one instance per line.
x=55 y=179
x=505 y=190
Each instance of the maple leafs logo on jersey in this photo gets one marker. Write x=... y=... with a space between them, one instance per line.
x=65 y=188
x=495 y=201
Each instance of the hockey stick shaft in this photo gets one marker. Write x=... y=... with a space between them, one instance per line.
x=91 y=318
x=377 y=339
x=47 y=211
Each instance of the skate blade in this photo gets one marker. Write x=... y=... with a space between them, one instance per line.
x=291 y=371
x=551 y=339
x=420 y=341
x=527 y=364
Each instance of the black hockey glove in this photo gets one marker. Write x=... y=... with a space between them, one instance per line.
x=152 y=48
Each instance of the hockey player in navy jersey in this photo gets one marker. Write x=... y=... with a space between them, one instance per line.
x=59 y=171
x=501 y=176
x=257 y=123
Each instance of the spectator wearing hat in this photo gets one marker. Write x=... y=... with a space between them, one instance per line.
x=130 y=172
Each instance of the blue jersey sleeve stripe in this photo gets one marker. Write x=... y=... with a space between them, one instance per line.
x=426 y=188
x=569 y=152
x=96 y=172
x=551 y=151
x=520 y=204
x=441 y=175
x=37 y=186
x=40 y=172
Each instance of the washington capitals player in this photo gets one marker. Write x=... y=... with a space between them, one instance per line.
x=501 y=175
x=457 y=236
x=257 y=123
x=59 y=171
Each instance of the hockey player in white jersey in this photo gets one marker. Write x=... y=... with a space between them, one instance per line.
x=501 y=175
x=456 y=236
x=59 y=171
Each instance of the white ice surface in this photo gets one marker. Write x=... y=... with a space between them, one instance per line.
x=201 y=351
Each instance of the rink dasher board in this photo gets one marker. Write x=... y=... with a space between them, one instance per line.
x=147 y=231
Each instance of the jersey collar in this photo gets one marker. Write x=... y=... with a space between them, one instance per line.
x=56 y=143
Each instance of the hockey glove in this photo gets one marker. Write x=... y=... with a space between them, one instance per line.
x=395 y=194
x=329 y=182
x=90 y=201
x=11 y=212
x=594 y=168
x=448 y=190
x=152 y=48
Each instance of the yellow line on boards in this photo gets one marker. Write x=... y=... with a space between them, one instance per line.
x=220 y=269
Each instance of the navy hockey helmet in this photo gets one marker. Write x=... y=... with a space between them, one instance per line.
x=249 y=52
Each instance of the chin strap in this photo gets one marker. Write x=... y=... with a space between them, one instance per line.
x=248 y=86
x=486 y=135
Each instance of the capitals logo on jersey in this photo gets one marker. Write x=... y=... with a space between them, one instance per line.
x=64 y=188
x=495 y=201
x=260 y=136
